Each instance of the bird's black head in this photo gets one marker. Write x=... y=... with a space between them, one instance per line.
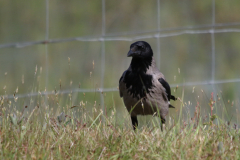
x=140 y=49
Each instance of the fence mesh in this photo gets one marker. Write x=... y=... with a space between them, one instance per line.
x=108 y=44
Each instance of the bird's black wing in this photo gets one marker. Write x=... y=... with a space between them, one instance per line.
x=120 y=81
x=167 y=88
x=121 y=78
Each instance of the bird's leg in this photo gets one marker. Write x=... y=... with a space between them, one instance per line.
x=134 y=122
x=162 y=122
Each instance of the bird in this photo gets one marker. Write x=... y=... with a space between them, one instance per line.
x=143 y=87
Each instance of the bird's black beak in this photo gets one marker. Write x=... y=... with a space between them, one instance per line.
x=133 y=52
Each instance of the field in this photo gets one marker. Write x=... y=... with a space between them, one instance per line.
x=60 y=66
x=75 y=132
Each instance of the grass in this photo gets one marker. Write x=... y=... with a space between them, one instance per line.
x=40 y=132
x=54 y=127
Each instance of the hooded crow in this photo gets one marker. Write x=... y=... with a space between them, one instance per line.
x=143 y=87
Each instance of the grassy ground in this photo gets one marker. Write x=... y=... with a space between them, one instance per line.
x=41 y=133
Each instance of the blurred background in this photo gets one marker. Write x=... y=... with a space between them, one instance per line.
x=78 y=49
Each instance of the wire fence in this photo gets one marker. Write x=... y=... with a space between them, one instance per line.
x=212 y=29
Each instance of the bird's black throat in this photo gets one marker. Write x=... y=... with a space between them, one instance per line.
x=140 y=64
x=137 y=81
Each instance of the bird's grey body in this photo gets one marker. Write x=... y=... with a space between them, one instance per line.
x=143 y=87
x=153 y=102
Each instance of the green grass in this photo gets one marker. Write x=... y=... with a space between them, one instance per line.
x=41 y=132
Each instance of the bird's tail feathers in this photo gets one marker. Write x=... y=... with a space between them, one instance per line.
x=173 y=98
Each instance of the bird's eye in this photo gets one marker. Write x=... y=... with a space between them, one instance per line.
x=142 y=47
